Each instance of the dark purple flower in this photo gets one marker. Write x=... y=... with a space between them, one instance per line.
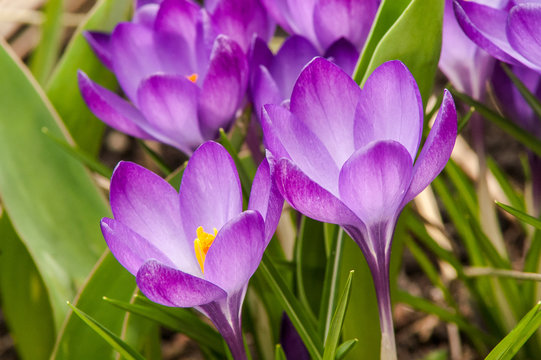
x=182 y=80
x=195 y=248
x=347 y=156
x=465 y=64
x=508 y=30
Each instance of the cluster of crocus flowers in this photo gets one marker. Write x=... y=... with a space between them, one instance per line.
x=348 y=156
x=195 y=248
x=183 y=78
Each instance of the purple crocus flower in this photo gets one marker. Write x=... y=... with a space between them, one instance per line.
x=195 y=248
x=510 y=33
x=347 y=156
x=182 y=80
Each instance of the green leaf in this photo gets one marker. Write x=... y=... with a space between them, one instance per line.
x=24 y=298
x=506 y=186
x=123 y=349
x=51 y=199
x=77 y=340
x=331 y=342
x=178 y=319
x=279 y=353
x=62 y=87
x=414 y=38
x=297 y=313
x=512 y=343
x=523 y=136
x=44 y=56
x=521 y=215
x=345 y=348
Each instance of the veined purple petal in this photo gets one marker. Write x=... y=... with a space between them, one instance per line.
x=169 y=103
x=344 y=54
x=210 y=193
x=129 y=248
x=375 y=179
x=325 y=98
x=99 y=42
x=171 y=287
x=436 y=149
x=486 y=26
x=224 y=86
x=524 y=32
x=390 y=108
x=111 y=108
x=349 y=19
x=294 y=140
x=148 y=205
x=292 y=57
x=236 y=252
x=308 y=197
x=266 y=199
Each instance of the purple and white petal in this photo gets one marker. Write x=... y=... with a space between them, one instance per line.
x=284 y=132
x=301 y=18
x=148 y=205
x=111 y=108
x=375 y=179
x=236 y=252
x=100 y=44
x=171 y=287
x=390 y=108
x=129 y=248
x=524 y=31
x=266 y=199
x=279 y=11
x=169 y=104
x=292 y=57
x=325 y=98
x=210 y=193
x=436 y=149
x=308 y=197
x=224 y=86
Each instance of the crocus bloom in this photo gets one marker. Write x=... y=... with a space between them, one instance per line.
x=510 y=33
x=195 y=248
x=347 y=156
x=183 y=81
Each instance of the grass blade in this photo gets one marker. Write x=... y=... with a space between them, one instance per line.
x=528 y=219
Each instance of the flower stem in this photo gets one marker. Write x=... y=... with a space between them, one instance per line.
x=383 y=293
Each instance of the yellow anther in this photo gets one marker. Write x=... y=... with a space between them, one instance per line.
x=202 y=244
x=192 y=77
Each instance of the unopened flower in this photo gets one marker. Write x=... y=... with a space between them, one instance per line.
x=182 y=80
x=349 y=156
x=195 y=248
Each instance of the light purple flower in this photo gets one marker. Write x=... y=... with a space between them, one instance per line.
x=195 y=248
x=508 y=30
x=182 y=80
x=465 y=64
x=347 y=156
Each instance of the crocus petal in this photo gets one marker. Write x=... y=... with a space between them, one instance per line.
x=224 y=86
x=279 y=11
x=266 y=199
x=111 y=108
x=390 y=108
x=264 y=90
x=140 y=3
x=292 y=57
x=171 y=287
x=210 y=194
x=486 y=26
x=169 y=103
x=259 y=53
x=325 y=98
x=99 y=42
x=236 y=252
x=294 y=140
x=437 y=148
x=308 y=197
x=524 y=32
x=129 y=248
x=375 y=179
x=350 y=19
x=148 y=205
x=344 y=54
x=146 y=15
x=302 y=18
